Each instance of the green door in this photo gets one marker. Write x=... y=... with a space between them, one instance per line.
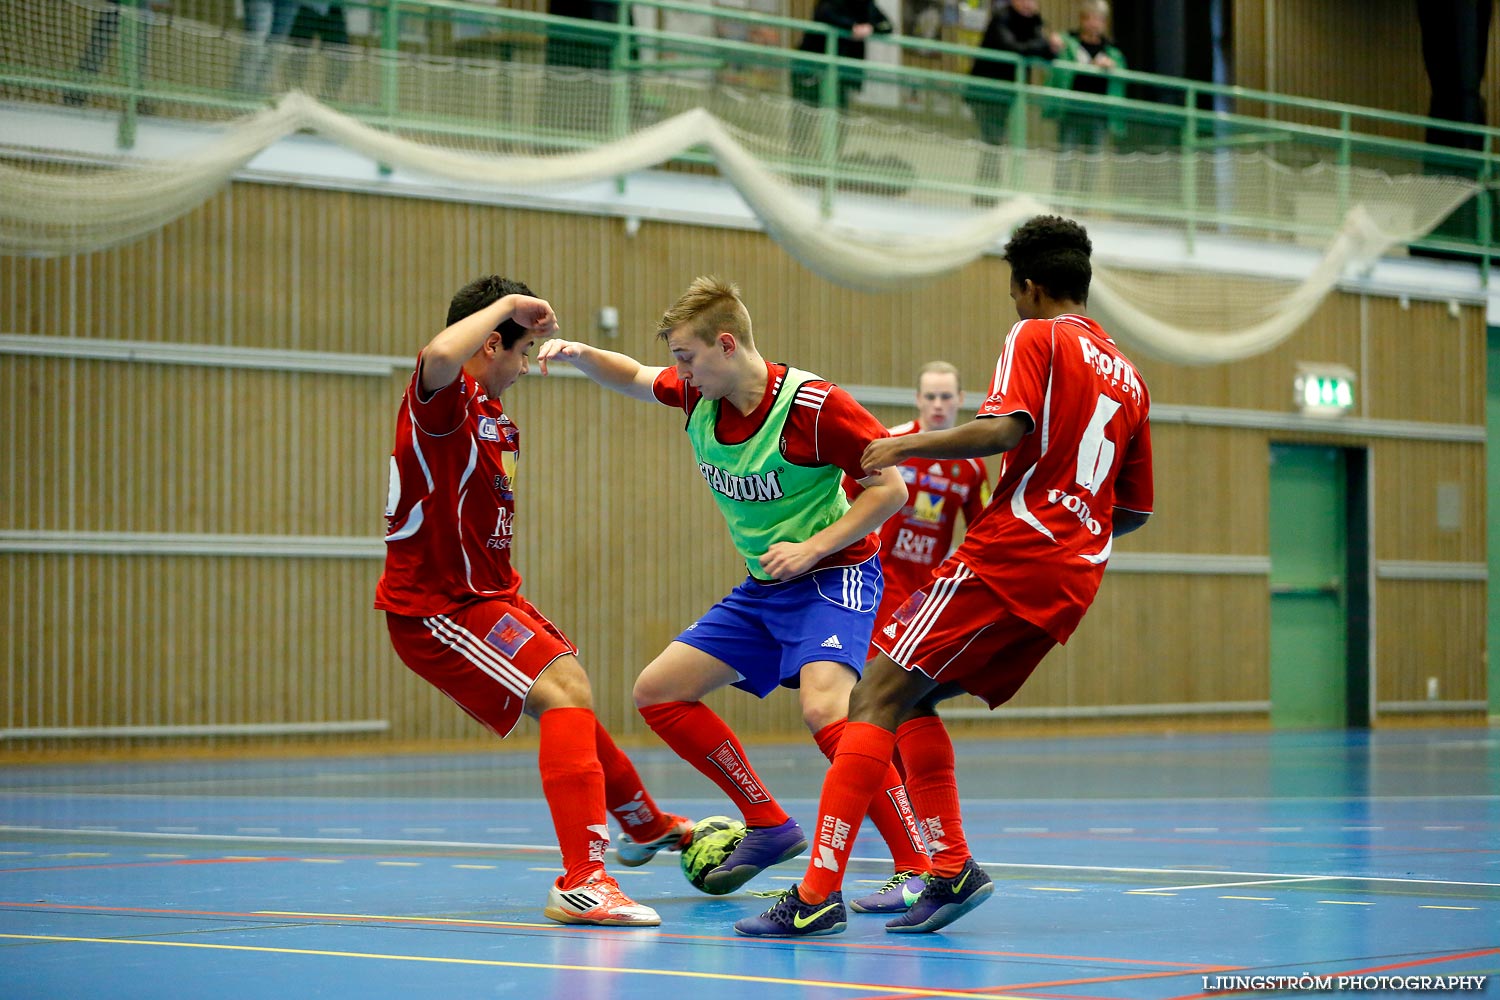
x=1309 y=566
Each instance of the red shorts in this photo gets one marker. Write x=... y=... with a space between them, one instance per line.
x=891 y=598
x=485 y=655
x=955 y=631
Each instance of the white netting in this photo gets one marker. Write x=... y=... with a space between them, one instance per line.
x=872 y=200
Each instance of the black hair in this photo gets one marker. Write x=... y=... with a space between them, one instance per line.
x=481 y=292
x=1052 y=252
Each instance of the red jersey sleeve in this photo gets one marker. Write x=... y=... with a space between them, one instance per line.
x=827 y=427
x=671 y=390
x=1019 y=385
x=444 y=411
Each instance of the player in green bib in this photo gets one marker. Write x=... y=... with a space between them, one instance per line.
x=772 y=443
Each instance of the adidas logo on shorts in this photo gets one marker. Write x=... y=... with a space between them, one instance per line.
x=832 y=642
x=890 y=630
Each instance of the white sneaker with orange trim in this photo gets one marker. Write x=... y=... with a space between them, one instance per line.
x=598 y=901
x=634 y=853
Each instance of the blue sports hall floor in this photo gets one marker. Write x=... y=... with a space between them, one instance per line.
x=1125 y=867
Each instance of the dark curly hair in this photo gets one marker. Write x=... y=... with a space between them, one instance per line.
x=481 y=292
x=1052 y=252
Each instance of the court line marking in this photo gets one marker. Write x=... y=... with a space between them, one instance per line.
x=610 y=931
x=333 y=842
x=879 y=989
x=1289 y=880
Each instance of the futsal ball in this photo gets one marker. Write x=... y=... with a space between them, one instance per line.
x=714 y=839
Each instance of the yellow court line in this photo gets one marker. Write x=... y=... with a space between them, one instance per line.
x=904 y=991
x=1447 y=907
x=404 y=920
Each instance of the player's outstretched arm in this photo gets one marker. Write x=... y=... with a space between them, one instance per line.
x=883 y=494
x=980 y=437
x=619 y=372
x=446 y=353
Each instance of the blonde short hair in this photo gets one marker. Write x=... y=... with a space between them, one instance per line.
x=938 y=368
x=708 y=307
x=1100 y=7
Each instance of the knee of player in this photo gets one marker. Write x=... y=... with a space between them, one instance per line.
x=647 y=691
x=818 y=713
x=562 y=685
x=872 y=702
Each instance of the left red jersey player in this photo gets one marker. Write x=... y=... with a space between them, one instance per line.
x=453 y=600
x=917 y=539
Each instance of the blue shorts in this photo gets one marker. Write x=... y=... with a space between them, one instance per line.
x=767 y=632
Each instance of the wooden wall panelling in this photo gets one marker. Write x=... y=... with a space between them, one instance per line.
x=1306 y=48
x=1430 y=628
x=616 y=538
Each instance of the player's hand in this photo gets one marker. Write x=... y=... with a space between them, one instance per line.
x=784 y=560
x=882 y=453
x=558 y=350
x=533 y=313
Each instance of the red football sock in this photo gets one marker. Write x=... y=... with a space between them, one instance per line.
x=890 y=809
x=573 y=783
x=629 y=801
x=860 y=766
x=928 y=753
x=705 y=741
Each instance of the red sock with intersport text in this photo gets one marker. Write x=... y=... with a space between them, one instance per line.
x=861 y=764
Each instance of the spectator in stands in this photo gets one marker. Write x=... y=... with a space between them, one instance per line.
x=102 y=37
x=579 y=102
x=1016 y=27
x=266 y=22
x=324 y=21
x=856 y=20
x=1082 y=130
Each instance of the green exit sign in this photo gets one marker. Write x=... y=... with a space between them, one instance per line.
x=1324 y=390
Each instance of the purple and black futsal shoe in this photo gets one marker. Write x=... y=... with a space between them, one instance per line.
x=900 y=891
x=790 y=917
x=944 y=901
x=762 y=847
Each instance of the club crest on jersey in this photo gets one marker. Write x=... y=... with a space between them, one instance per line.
x=489 y=429
x=509 y=635
x=927 y=508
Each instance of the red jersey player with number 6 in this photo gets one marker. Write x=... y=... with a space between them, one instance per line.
x=1070 y=413
x=453 y=600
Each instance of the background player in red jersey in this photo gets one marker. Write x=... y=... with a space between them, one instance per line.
x=772 y=443
x=920 y=537
x=453 y=600
x=1071 y=414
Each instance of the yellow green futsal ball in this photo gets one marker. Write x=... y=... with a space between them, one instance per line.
x=714 y=839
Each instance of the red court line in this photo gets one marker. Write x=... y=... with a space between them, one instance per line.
x=1178 y=968
x=981 y=991
x=1434 y=960
x=144 y=864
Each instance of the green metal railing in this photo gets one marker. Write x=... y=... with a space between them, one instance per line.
x=1156 y=112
